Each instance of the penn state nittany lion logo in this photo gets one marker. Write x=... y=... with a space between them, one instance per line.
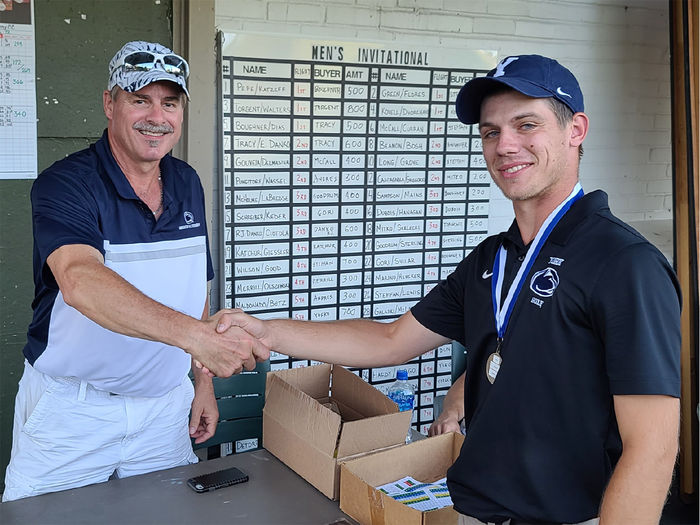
x=544 y=282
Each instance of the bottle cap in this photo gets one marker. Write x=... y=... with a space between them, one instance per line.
x=401 y=375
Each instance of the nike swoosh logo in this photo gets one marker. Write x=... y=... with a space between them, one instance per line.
x=560 y=92
x=486 y=274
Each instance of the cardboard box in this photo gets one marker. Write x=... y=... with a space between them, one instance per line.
x=313 y=439
x=426 y=460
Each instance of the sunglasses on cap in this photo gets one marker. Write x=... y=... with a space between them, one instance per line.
x=146 y=61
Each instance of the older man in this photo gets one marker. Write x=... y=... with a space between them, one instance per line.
x=121 y=264
x=571 y=321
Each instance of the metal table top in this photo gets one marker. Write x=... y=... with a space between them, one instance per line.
x=274 y=495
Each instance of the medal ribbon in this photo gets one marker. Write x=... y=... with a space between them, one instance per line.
x=502 y=312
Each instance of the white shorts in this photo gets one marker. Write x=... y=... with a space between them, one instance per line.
x=67 y=434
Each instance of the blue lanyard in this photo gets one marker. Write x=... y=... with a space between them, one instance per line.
x=502 y=313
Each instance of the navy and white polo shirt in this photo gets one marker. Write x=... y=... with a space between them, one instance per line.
x=86 y=199
x=598 y=315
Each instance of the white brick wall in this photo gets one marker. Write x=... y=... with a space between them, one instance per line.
x=618 y=49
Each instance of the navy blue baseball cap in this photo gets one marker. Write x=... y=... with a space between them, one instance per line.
x=532 y=75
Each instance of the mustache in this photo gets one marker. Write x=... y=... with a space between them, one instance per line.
x=153 y=128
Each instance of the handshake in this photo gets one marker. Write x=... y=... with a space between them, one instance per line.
x=230 y=342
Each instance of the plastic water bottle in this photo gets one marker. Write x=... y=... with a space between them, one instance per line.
x=401 y=392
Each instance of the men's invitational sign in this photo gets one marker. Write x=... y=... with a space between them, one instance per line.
x=349 y=186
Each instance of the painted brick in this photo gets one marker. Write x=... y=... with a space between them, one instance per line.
x=656 y=69
x=494 y=26
x=629 y=217
x=654 y=11
x=664 y=88
x=552 y=30
x=435 y=5
x=645 y=202
x=631 y=186
x=616 y=154
x=378 y=35
x=426 y=39
x=508 y=8
x=233 y=25
x=307 y=13
x=653 y=105
x=470 y=7
x=444 y=22
x=652 y=137
x=266 y=26
x=277 y=11
x=663 y=240
x=642 y=34
x=375 y=3
x=352 y=16
x=611 y=15
x=241 y=9
x=330 y=32
x=399 y=19
x=661 y=122
x=609 y=132
x=459 y=42
x=564 y=11
x=661 y=155
x=650 y=172
x=659 y=187
x=652 y=87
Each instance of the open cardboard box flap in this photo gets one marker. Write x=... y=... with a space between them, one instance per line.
x=370 y=419
x=313 y=380
x=295 y=409
x=314 y=465
x=352 y=391
x=373 y=433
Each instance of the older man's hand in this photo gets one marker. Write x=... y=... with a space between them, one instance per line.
x=224 y=353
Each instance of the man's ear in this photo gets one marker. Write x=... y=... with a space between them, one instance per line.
x=579 y=129
x=107 y=103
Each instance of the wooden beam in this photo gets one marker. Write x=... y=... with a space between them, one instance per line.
x=684 y=42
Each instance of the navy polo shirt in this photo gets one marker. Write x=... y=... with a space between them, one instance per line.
x=598 y=315
x=86 y=199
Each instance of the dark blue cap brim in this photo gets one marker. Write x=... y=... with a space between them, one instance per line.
x=470 y=97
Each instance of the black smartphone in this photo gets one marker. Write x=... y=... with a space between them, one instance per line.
x=218 y=479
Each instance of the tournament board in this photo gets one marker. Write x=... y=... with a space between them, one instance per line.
x=349 y=188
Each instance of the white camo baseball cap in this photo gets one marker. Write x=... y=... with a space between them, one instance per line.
x=140 y=63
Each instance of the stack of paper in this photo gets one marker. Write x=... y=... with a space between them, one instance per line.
x=417 y=495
